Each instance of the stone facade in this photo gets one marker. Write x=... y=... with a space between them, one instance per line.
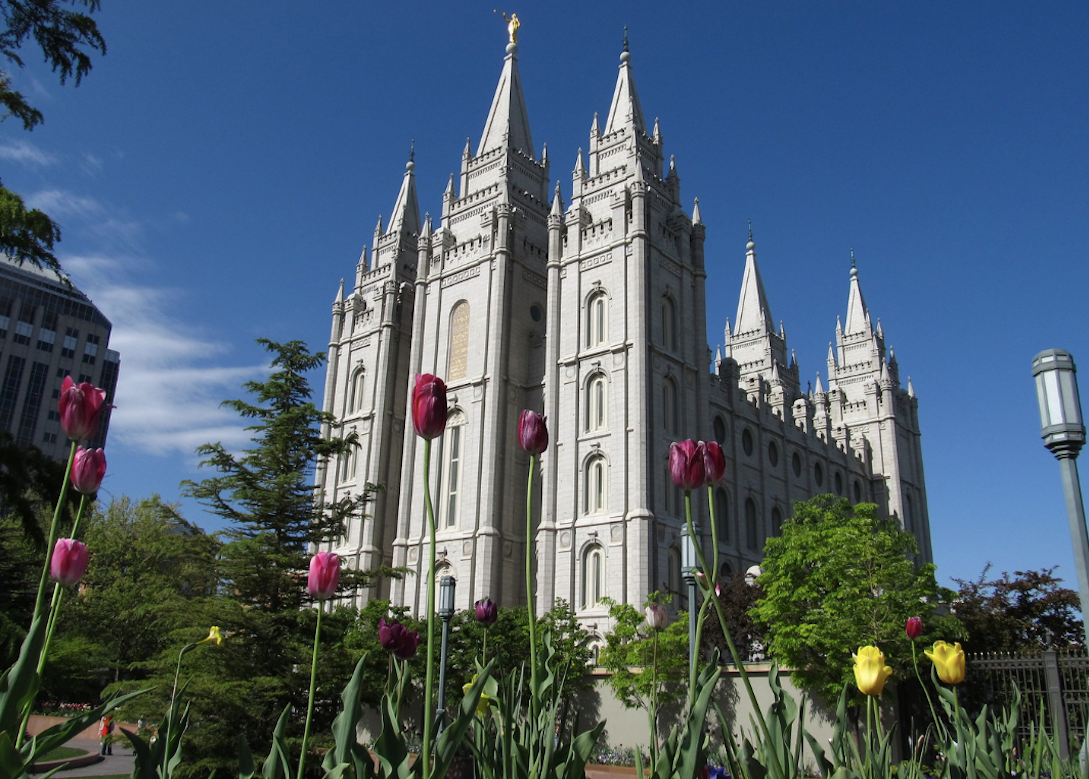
x=593 y=313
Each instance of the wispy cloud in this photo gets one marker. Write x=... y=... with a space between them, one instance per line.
x=173 y=376
x=25 y=153
x=110 y=227
x=59 y=204
x=90 y=164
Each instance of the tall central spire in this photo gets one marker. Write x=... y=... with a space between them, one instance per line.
x=625 y=106
x=753 y=312
x=508 y=122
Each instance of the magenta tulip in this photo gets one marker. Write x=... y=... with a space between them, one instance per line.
x=88 y=469
x=429 y=409
x=686 y=464
x=656 y=616
x=914 y=628
x=324 y=575
x=80 y=407
x=532 y=432
x=69 y=561
x=714 y=463
x=398 y=639
x=486 y=612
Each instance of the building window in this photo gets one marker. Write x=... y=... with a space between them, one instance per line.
x=669 y=406
x=669 y=324
x=746 y=441
x=349 y=464
x=773 y=454
x=593 y=576
x=818 y=474
x=596 y=484
x=858 y=491
x=673 y=570
x=776 y=521
x=722 y=515
x=751 y=525
x=459 y=341
x=597 y=320
x=355 y=391
x=796 y=464
x=839 y=483
x=595 y=403
x=453 y=466
x=720 y=431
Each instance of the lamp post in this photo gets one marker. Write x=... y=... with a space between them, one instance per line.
x=689 y=564
x=447 y=584
x=1063 y=431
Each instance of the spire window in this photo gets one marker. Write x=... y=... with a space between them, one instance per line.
x=670 y=410
x=595 y=403
x=355 y=391
x=593 y=576
x=669 y=324
x=752 y=525
x=459 y=342
x=595 y=480
x=453 y=465
x=722 y=515
x=597 y=320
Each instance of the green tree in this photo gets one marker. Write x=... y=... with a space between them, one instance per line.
x=67 y=38
x=267 y=492
x=839 y=578
x=1027 y=611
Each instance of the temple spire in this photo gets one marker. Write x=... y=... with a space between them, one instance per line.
x=858 y=317
x=753 y=311
x=406 y=211
x=625 y=107
x=508 y=122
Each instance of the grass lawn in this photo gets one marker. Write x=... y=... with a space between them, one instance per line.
x=61 y=753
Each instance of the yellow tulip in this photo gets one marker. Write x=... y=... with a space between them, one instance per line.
x=485 y=701
x=870 y=670
x=214 y=636
x=948 y=659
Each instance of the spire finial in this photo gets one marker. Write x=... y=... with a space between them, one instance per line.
x=412 y=150
x=854 y=268
x=625 y=37
x=750 y=229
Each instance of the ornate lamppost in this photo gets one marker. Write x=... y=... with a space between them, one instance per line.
x=689 y=567
x=447 y=585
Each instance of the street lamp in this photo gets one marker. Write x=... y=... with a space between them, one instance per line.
x=1063 y=432
x=689 y=566
x=447 y=584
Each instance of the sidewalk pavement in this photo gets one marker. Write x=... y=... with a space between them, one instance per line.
x=120 y=762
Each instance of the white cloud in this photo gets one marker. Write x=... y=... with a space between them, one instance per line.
x=25 y=153
x=58 y=204
x=91 y=164
x=173 y=377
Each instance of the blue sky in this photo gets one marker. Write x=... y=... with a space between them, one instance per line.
x=221 y=168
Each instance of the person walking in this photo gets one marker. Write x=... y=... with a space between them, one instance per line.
x=105 y=735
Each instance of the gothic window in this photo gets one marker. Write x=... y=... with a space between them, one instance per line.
x=818 y=474
x=796 y=464
x=355 y=391
x=669 y=324
x=594 y=476
x=909 y=523
x=349 y=463
x=669 y=405
x=453 y=465
x=776 y=521
x=720 y=431
x=839 y=483
x=593 y=576
x=459 y=341
x=858 y=491
x=722 y=515
x=597 y=321
x=747 y=442
x=773 y=454
x=595 y=403
x=751 y=525
x=673 y=569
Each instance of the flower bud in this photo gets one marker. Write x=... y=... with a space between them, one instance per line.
x=948 y=659
x=714 y=463
x=69 y=561
x=532 y=432
x=486 y=612
x=88 y=468
x=914 y=628
x=324 y=575
x=871 y=672
x=80 y=406
x=686 y=464
x=429 y=409
x=656 y=616
x=398 y=639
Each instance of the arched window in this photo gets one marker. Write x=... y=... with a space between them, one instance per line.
x=355 y=391
x=722 y=515
x=595 y=402
x=909 y=520
x=350 y=459
x=673 y=569
x=720 y=431
x=593 y=576
x=857 y=489
x=459 y=341
x=776 y=521
x=839 y=483
x=669 y=406
x=595 y=478
x=751 y=525
x=669 y=324
x=596 y=319
x=453 y=443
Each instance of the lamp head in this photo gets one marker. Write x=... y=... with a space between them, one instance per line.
x=1061 y=423
x=447 y=585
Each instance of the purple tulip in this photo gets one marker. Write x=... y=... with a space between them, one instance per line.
x=80 y=407
x=429 y=409
x=532 y=432
x=914 y=628
x=88 y=469
x=398 y=639
x=714 y=463
x=69 y=561
x=686 y=464
x=324 y=575
x=486 y=612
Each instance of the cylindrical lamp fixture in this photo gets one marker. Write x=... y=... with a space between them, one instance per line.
x=689 y=561
x=1061 y=423
x=447 y=585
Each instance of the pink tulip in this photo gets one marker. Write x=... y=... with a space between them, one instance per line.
x=429 y=409
x=398 y=639
x=914 y=628
x=69 y=561
x=686 y=464
x=532 y=432
x=88 y=469
x=324 y=575
x=656 y=616
x=714 y=463
x=486 y=611
x=80 y=406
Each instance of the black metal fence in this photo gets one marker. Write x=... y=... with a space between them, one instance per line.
x=1057 y=680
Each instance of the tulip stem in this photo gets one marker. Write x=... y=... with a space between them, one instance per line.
x=40 y=601
x=937 y=722
x=533 y=701
x=165 y=771
x=58 y=594
x=313 y=687
x=777 y=768
x=429 y=683
x=654 y=706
